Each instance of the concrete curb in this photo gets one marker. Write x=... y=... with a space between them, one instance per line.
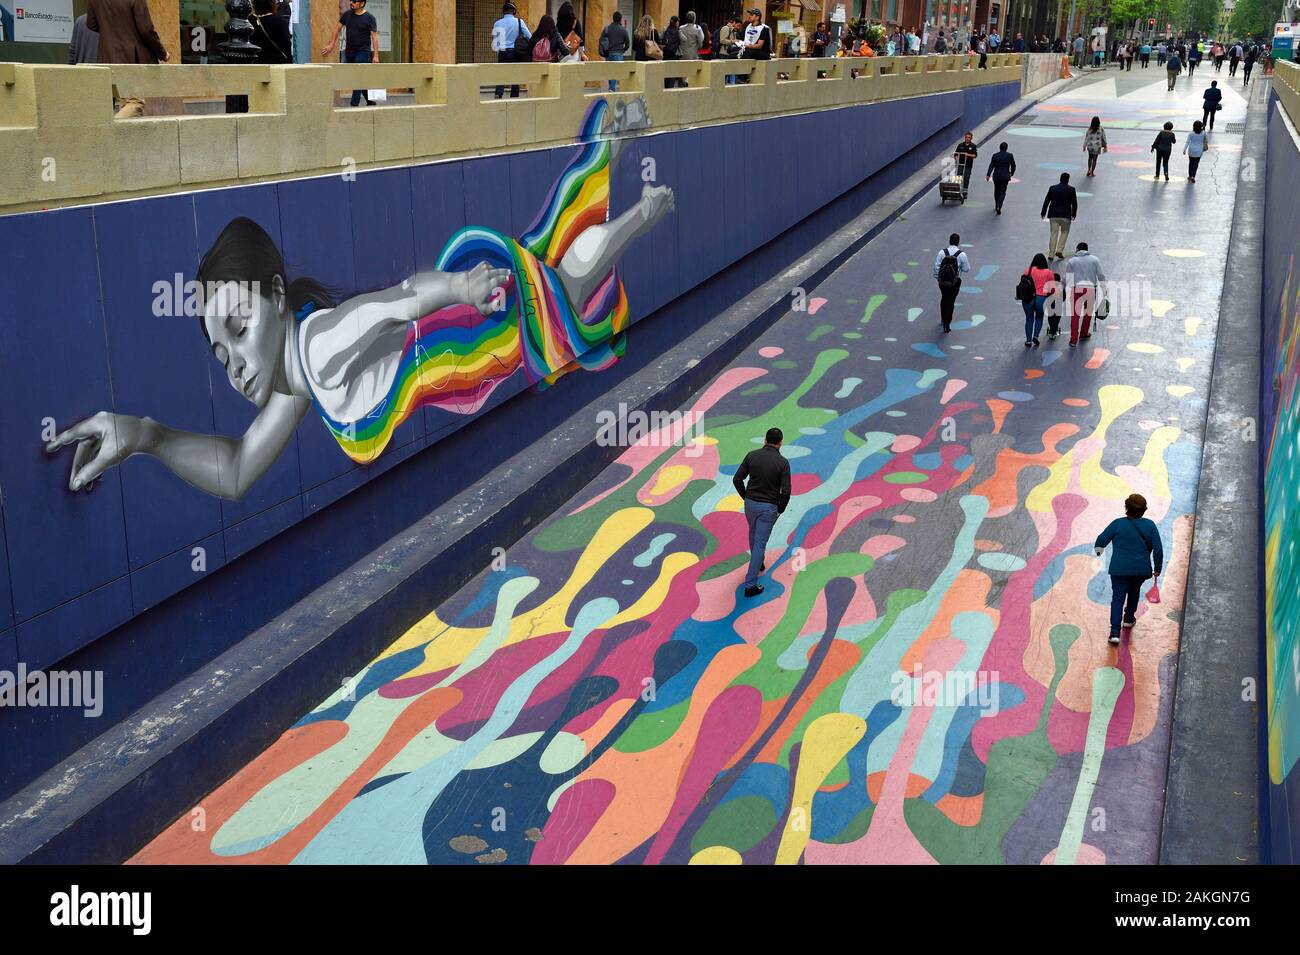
x=1212 y=797
x=106 y=800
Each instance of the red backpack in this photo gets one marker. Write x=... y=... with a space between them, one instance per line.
x=542 y=50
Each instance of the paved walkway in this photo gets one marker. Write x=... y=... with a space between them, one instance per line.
x=926 y=677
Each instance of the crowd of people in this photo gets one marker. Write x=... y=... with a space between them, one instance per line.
x=1179 y=55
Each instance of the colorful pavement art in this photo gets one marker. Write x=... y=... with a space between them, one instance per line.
x=926 y=678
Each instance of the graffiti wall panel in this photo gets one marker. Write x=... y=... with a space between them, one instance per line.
x=232 y=413
x=168 y=367
x=1280 y=470
x=54 y=363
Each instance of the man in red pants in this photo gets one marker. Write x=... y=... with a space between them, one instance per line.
x=1083 y=274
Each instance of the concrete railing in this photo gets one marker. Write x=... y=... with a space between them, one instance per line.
x=1286 y=83
x=60 y=145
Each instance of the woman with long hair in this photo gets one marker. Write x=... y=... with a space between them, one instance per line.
x=544 y=303
x=1044 y=281
x=554 y=41
x=646 y=34
x=1094 y=144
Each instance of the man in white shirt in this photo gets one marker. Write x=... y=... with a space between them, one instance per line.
x=504 y=33
x=1084 y=275
x=949 y=264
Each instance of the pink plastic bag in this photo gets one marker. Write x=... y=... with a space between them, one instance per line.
x=1153 y=595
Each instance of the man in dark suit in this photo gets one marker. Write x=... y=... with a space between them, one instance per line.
x=1002 y=166
x=126 y=35
x=1060 y=206
x=1213 y=103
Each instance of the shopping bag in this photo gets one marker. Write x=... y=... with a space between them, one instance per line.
x=377 y=96
x=1153 y=595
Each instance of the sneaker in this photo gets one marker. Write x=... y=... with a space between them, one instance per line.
x=754 y=591
x=1114 y=639
x=1029 y=343
x=1037 y=343
x=1073 y=343
x=1130 y=622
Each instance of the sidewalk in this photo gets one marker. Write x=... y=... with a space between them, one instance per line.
x=609 y=696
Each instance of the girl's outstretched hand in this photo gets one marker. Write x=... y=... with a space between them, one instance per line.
x=103 y=440
x=479 y=284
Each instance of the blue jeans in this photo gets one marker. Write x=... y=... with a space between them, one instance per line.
x=361 y=56
x=1124 y=593
x=614 y=58
x=761 y=517
x=1033 y=316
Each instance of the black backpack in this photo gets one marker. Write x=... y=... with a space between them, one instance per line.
x=949 y=271
x=1025 y=290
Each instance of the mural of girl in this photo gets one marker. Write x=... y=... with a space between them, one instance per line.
x=545 y=303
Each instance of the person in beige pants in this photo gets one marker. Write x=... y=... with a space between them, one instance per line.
x=1060 y=206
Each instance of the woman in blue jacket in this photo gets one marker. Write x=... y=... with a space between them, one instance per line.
x=1137 y=552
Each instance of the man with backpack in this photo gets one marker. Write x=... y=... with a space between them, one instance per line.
x=510 y=42
x=948 y=266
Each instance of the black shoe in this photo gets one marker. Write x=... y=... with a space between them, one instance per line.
x=946 y=329
x=1029 y=343
x=1130 y=622
x=754 y=591
x=1084 y=338
x=998 y=211
x=1037 y=342
x=1114 y=639
x=762 y=567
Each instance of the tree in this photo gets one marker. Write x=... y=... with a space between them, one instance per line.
x=1202 y=15
x=1254 y=18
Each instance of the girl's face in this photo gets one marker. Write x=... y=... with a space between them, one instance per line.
x=247 y=335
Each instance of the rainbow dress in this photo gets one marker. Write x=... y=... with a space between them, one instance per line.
x=455 y=358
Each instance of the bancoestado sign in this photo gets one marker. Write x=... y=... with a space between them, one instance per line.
x=39 y=21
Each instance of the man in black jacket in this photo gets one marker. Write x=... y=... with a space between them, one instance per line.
x=765 y=499
x=1213 y=103
x=1060 y=206
x=1002 y=166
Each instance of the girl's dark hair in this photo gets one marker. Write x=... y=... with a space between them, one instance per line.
x=1096 y=124
x=245 y=253
x=1039 y=261
x=263 y=7
x=1169 y=125
x=565 y=18
x=545 y=28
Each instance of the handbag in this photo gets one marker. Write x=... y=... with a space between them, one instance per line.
x=653 y=51
x=1103 y=310
x=572 y=41
x=522 y=44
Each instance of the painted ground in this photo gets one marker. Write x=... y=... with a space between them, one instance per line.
x=925 y=679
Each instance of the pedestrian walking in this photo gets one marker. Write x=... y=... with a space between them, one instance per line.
x=1173 y=66
x=84 y=47
x=1194 y=147
x=964 y=157
x=1060 y=206
x=1036 y=284
x=1002 y=166
x=1094 y=144
x=1146 y=55
x=1136 y=556
x=1248 y=63
x=1084 y=277
x=1078 y=51
x=1193 y=60
x=546 y=45
x=614 y=43
x=1213 y=103
x=1217 y=52
x=1163 y=147
x=763 y=483
x=1234 y=57
x=361 y=42
x=1162 y=50
x=949 y=265
x=510 y=42
x=126 y=35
